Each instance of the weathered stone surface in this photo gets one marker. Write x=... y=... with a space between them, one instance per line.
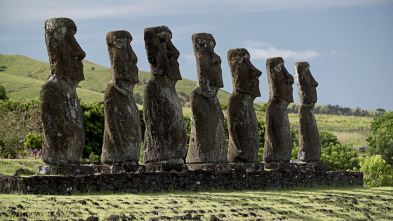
x=314 y=166
x=65 y=170
x=183 y=181
x=209 y=166
x=104 y=168
x=61 y=114
x=165 y=136
x=242 y=121
x=309 y=141
x=122 y=132
x=278 y=142
x=248 y=167
x=207 y=139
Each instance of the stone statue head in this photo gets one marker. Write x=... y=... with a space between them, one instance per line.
x=244 y=74
x=307 y=86
x=123 y=58
x=65 y=54
x=280 y=81
x=208 y=62
x=161 y=53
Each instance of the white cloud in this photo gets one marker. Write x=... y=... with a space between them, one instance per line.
x=263 y=50
x=188 y=57
x=27 y=10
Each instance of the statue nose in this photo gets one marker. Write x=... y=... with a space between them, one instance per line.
x=80 y=55
x=216 y=59
x=173 y=53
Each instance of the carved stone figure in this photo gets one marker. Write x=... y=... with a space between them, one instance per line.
x=309 y=141
x=242 y=121
x=278 y=142
x=207 y=138
x=122 y=132
x=165 y=136
x=61 y=114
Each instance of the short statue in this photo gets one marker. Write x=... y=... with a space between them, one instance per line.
x=165 y=136
x=309 y=141
x=278 y=142
x=207 y=138
x=242 y=121
x=61 y=113
x=122 y=132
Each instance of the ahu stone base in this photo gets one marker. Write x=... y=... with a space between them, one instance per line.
x=65 y=170
x=198 y=180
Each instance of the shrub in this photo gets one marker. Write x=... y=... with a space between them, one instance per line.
x=327 y=139
x=30 y=154
x=340 y=157
x=376 y=171
x=33 y=141
x=93 y=119
x=17 y=120
x=261 y=129
x=3 y=93
x=381 y=142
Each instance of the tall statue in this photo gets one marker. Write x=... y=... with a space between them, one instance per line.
x=165 y=136
x=122 y=132
x=278 y=142
x=207 y=138
x=242 y=121
x=61 y=113
x=309 y=141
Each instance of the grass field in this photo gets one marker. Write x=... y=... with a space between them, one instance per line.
x=23 y=167
x=328 y=203
x=346 y=128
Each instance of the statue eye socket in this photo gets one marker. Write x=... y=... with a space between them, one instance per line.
x=277 y=68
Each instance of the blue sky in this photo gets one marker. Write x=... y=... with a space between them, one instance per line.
x=348 y=43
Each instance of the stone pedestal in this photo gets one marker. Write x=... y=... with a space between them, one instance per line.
x=111 y=169
x=285 y=166
x=314 y=167
x=163 y=167
x=209 y=166
x=65 y=170
x=248 y=167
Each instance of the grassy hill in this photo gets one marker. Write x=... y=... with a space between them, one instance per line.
x=22 y=78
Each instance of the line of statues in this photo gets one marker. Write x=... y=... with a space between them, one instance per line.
x=165 y=135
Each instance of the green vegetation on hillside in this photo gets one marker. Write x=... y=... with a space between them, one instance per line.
x=23 y=77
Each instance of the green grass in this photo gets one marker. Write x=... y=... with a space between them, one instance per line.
x=24 y=77
x=326 y=203
x=346 y=128
x=9 y=167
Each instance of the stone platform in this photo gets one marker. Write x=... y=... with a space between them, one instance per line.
x=198 y=180
x=65 y=170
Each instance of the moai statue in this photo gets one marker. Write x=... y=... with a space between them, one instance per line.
x=309 y=141
x=61 y=113
x=122 y=132
x=165 y=136
x=278 y=142
x=242 y=121
x=207 y=138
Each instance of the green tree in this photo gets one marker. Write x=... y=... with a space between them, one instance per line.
x=33 y=141
x=340 y=157
x=93 y=119
x=381 y=142
x=261 y=129
x=224 y=106
x=376 y=171
x=3 y=93
x=263 y=108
